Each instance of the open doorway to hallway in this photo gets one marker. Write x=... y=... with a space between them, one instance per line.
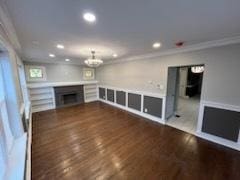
x=183 y=97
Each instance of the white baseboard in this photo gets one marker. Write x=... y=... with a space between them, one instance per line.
x=29 y=147
x=91 y=100
x=218 y=140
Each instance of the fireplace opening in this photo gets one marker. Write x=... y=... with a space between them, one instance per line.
x=69 y=98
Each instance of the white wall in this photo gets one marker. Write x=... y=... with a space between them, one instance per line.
x=220 y=82
x=61 y=72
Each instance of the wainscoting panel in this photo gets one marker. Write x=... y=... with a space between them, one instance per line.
x=152 y=106
x=102 y=93
x=110 y=95
x=134 y=101
x=121 y=98
x=221 y=122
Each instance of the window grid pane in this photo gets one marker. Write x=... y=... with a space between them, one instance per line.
x=36 y=73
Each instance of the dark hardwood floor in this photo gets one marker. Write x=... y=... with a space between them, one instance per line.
x=97 y=141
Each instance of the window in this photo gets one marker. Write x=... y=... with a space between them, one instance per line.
x=6 y=137
x=88 y=74
x=36 y=73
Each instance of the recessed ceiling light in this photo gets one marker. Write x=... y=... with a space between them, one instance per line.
x=60 y=46
x=52 y=55
x=67 y=60
x=115 y=55
x=156 y=45
x=89 y=17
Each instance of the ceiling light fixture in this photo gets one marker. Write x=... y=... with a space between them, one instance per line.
x=60 y=46
x=156 y=45
x=89 y=17
x=67 y=60
x=52 y=55
x=115 y=55
x=93 y=61
x=197 y=69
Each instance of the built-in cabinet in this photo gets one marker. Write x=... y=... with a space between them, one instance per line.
x=148 y=105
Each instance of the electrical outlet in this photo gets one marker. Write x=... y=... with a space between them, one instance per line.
x=146 y=110
x=161 y=87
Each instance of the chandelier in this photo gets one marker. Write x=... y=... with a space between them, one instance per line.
x=93 y=61
x=197 y=69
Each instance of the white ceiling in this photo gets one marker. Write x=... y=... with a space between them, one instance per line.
x=125 y=27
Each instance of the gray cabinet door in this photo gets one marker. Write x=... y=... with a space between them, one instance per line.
x=102 y=93
x=134 y=101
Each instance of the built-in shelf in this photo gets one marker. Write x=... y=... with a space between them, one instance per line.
x=90 y=92
x=42 y=98
x=40 y=91
x=41 y=102
x=42 y=107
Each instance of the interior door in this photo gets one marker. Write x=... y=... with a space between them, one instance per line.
x=171 y=91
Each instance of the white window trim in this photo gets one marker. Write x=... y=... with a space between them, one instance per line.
x=29 y=79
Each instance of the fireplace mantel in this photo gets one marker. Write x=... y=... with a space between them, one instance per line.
x=57 y=84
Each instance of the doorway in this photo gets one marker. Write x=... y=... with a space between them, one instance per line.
x=183 y=97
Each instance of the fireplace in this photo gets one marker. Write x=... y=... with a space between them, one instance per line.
x=68 y=95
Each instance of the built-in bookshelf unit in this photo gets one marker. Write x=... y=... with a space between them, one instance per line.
x=42 y=95
x=90 y=92
x=42 y=98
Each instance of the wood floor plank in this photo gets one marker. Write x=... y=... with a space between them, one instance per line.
x=97 y=141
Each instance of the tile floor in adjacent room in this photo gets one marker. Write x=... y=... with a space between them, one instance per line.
x=188 y=110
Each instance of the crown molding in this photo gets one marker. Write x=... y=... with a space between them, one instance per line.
x=190 y=48
x=7 y=28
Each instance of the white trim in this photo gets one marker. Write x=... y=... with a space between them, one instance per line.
x=29 y=146
x=56 y=84
x=53 y=98
x=16 y=161
x=216 y=139
x=22 y=109
x=142 y=93
x=30 y=79
x=157 y=95
x=188 y=48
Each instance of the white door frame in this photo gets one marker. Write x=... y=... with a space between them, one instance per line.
x=175 y=105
